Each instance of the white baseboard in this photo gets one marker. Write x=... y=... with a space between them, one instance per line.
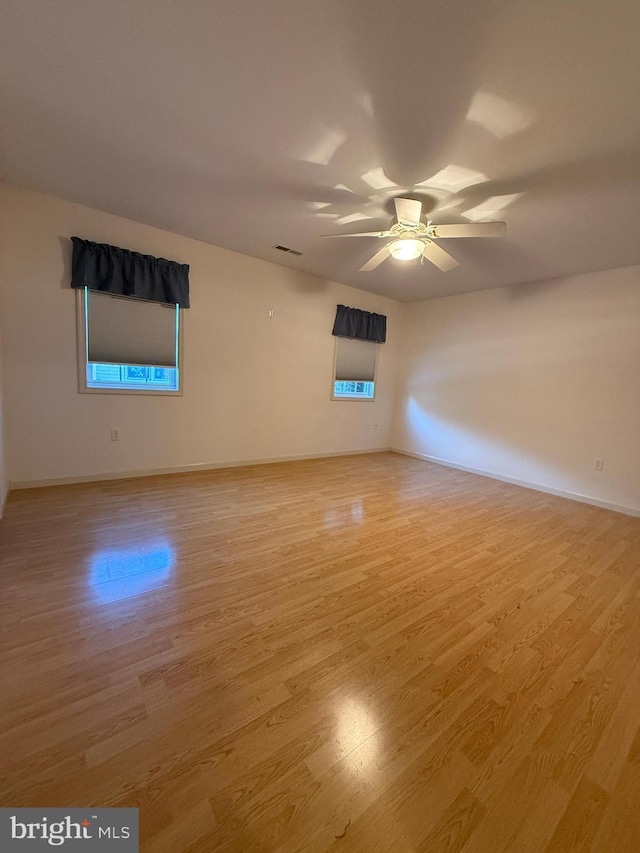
x=585 y=499
x=182 y=469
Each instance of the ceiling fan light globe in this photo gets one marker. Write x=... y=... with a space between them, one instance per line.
x=406 y=250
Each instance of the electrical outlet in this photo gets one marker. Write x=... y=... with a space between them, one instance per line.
x=598 y=464
x=270 y=313
x=115 y=435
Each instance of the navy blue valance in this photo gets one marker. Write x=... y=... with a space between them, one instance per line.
x=109 y=269
x=354 y=323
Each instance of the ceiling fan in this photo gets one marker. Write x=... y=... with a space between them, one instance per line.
x=414 y=238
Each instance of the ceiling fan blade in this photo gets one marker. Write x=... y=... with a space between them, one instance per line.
x=408 y=210
x=475 y=229
x=443 y=260
x=376 y=260
x=362 y=234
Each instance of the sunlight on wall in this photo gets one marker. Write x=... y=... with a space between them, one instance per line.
x=430 y=435
x=120 y=573
x=449 y=441
x=439 y=437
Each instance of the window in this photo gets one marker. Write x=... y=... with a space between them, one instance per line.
x=131 y=377
x=354 y=390
x=355 y=368
x=127 y=345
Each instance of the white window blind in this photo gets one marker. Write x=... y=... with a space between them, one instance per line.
x=355 y=360
x=122 y=330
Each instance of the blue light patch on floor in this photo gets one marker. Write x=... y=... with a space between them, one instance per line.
x=117 y=574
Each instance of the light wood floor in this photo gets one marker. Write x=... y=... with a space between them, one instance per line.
x=260 y=658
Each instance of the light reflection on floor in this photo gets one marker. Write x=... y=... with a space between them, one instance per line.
x=357 y=735
x=344 y=516
x=119 y=573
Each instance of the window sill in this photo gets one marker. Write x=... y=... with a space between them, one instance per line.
x=354 y=399
x=138 y=392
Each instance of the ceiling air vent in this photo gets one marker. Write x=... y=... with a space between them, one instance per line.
x=287 y=249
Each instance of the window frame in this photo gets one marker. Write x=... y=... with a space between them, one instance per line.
x=354 y=399
x=81 y=337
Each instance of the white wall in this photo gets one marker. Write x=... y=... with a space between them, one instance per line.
x=532 y=383
x=254 y=387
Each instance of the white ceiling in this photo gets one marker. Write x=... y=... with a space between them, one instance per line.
x=248 y=124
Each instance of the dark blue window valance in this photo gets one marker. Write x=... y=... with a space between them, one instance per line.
x=354 y=323
x=109 y=269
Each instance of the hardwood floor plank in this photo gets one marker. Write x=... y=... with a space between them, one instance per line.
x=262 y=658
x=580 y=821
x=620 y=826
x=455 y=826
